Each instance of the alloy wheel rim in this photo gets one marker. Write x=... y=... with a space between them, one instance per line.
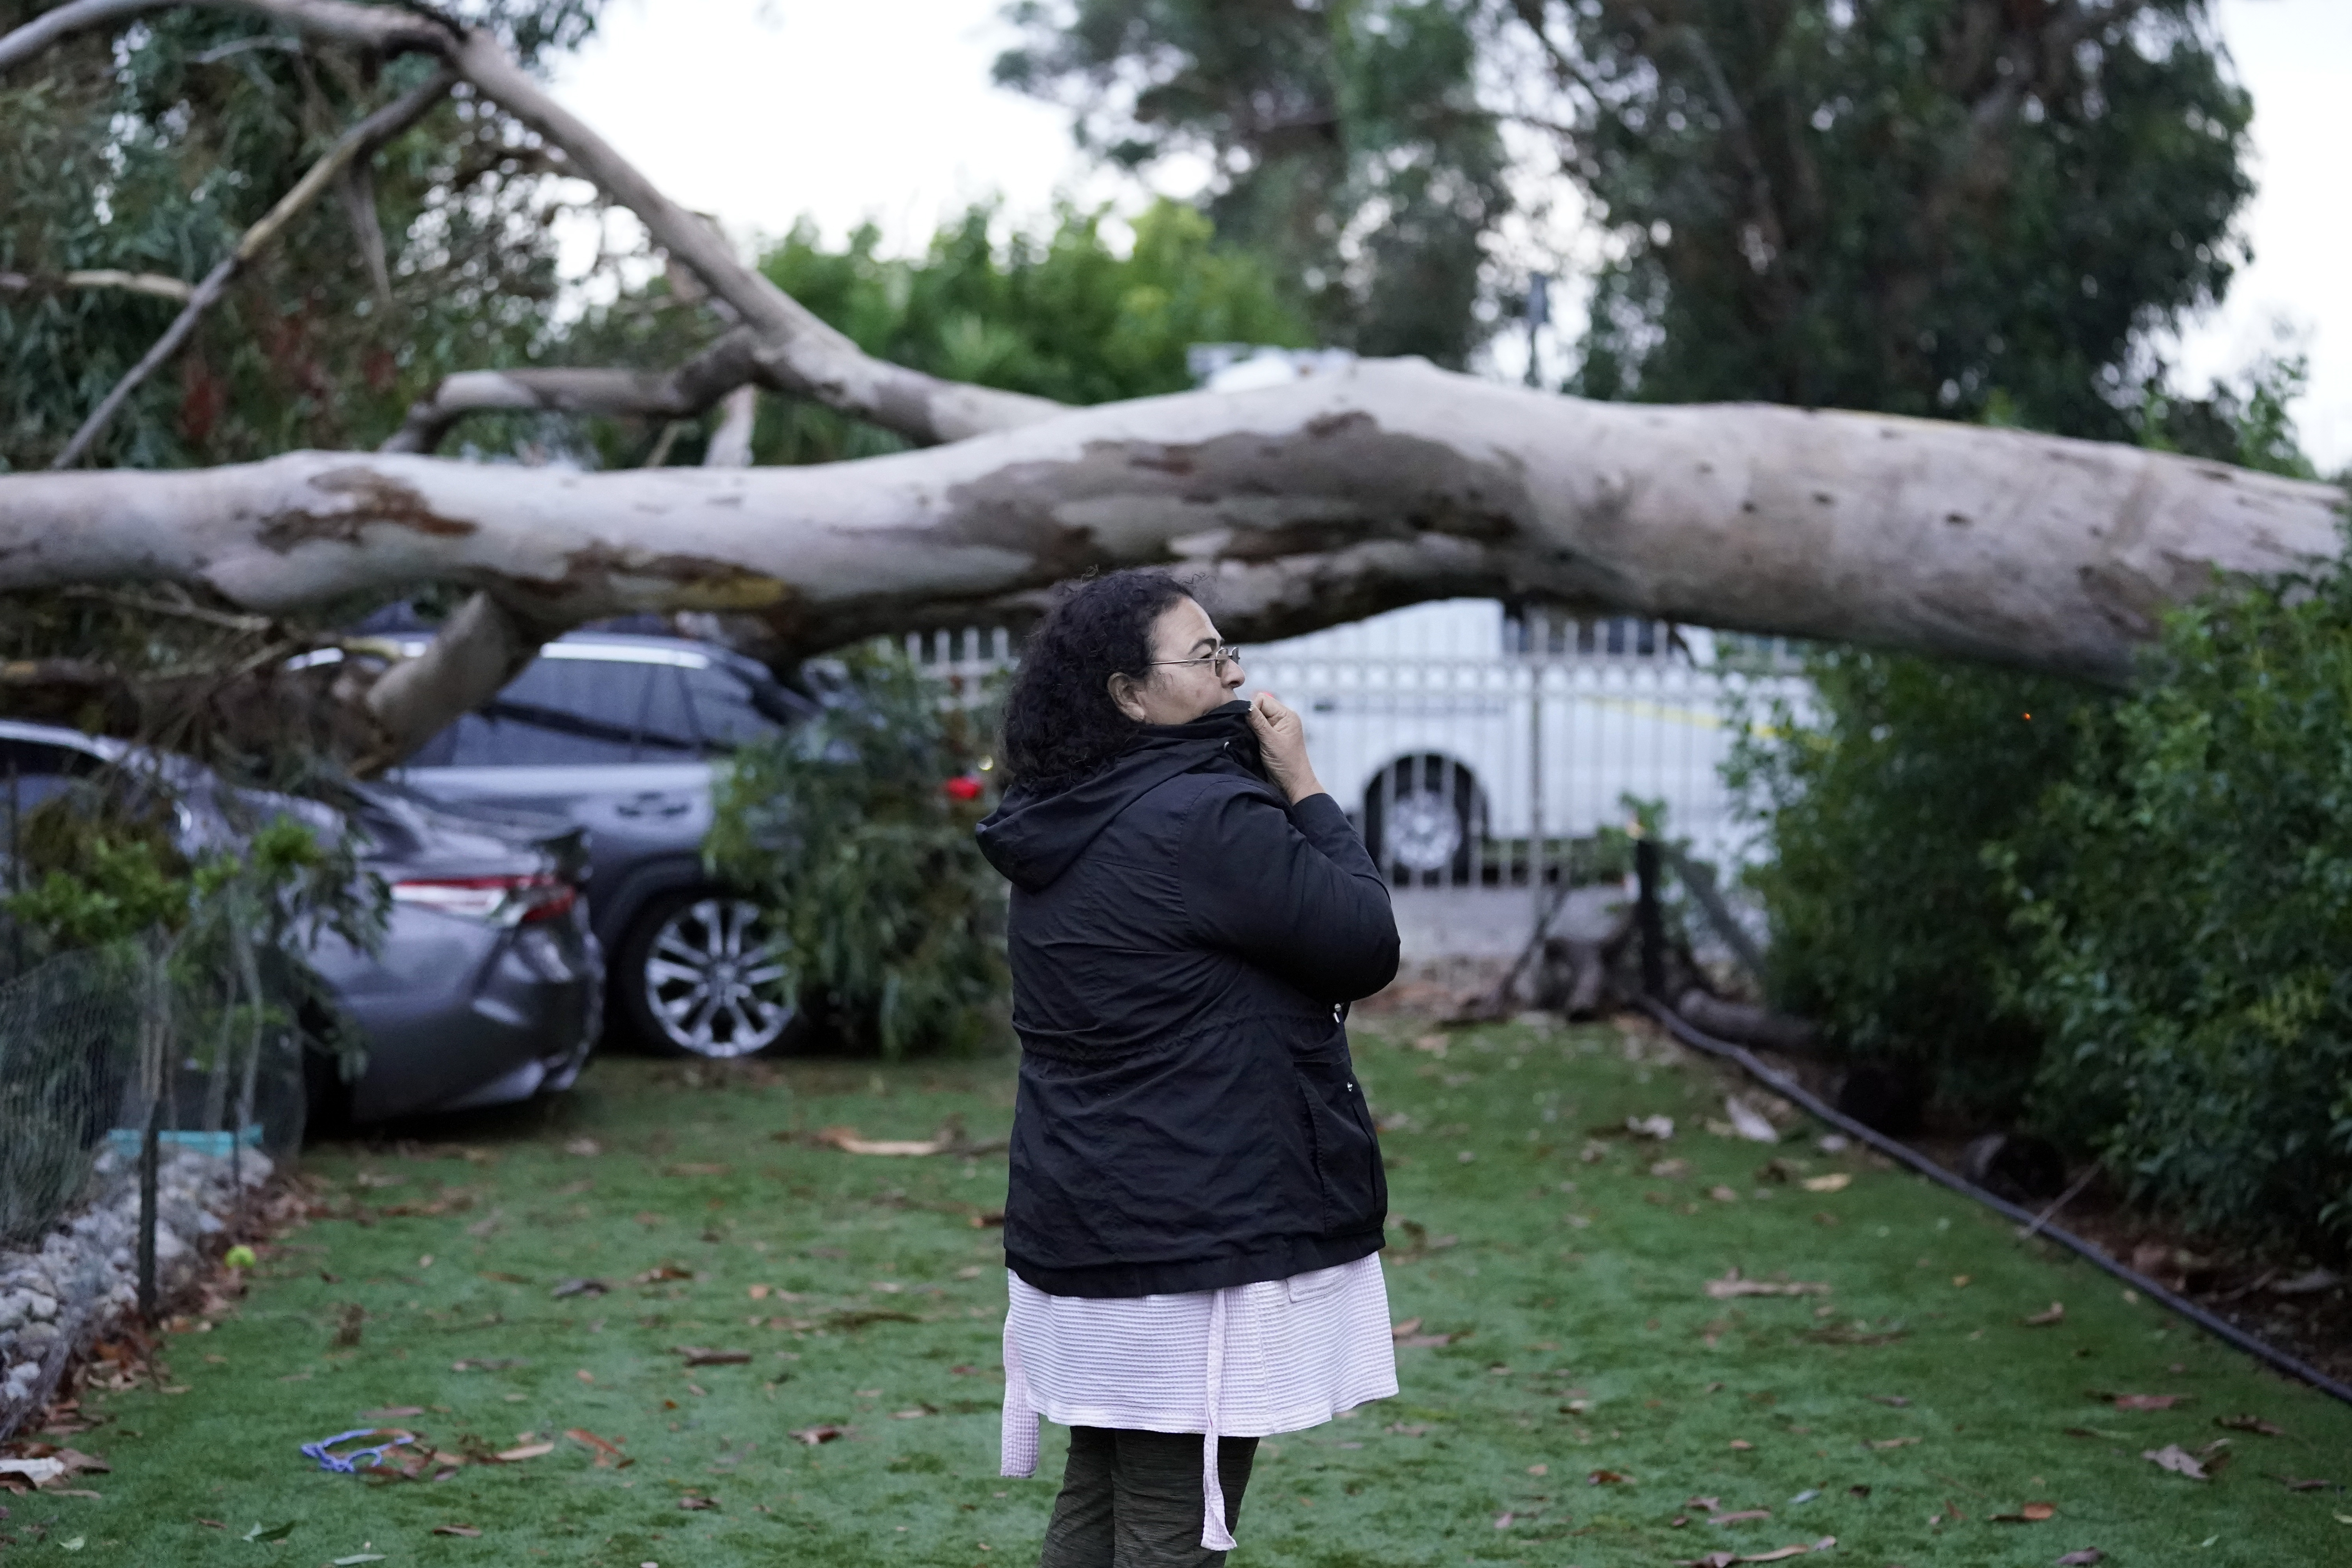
x=1424 y=832
x=716 y=979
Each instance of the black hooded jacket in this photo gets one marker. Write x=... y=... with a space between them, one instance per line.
x=1182 y=941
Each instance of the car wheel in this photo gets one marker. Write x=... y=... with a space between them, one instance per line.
x=1423 y=819
x=703 y=973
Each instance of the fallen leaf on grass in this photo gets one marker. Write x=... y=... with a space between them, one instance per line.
x=525 y=1451
x=271 y=1531
x=987 y=1219
x=2148 y=1401
x=355 y=1559
x=693 y=1503
x=2179 y=1460
x=813 y=1435
x=916 y=1413
x=1744 y=1516
x=2083 y=1559
x=1725 y=1559
x=2054 y=1314
x=1835 y=1182
x=1723 y=1195
x=1749 y=1122
x=580 y=1288
x=846 y=1140
x=700 y=1355
x=1659 y=1127
x=1670 y=1170
x=1504 y=1520
x=696 y=1168
x=493 y=1363
x=39 y=1472
x=2249 y=1424
x=503 y=1278
x=608 y=1449
x=1731 y=1285
x=661 y=1271
x=392 y=1413
x=2031 y=1513
x=1400 y=1331
x=1607 y=1479
x=586 y=1147
x=2306 y=1486
x=2308 y=1284
x=1741 y=1446
x=465 y=1530
x=1896 y=1400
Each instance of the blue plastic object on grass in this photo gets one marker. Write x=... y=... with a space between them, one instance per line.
x=348 y=1464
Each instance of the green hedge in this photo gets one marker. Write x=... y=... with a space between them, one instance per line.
x=2125 y=920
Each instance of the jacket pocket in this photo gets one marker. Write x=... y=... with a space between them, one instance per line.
x=1347 y=1154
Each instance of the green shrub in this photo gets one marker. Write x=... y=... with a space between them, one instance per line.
x=1887 y=923
x=2187 y=951
x=845 y=830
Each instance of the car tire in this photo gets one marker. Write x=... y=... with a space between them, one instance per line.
x=700 y=974
x=1424 y=817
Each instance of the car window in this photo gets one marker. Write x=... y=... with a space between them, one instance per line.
x=725 y=713
x=574 y=710
x=556 y=713
x=31 y=774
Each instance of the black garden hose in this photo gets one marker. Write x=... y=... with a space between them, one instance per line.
x=1789 y=1090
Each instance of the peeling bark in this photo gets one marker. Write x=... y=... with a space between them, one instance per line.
x=1302 y=505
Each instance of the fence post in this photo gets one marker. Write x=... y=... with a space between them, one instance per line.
x=152 y=1054
x=1648 y=920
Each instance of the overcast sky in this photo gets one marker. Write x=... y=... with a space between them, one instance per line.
x=762 y=110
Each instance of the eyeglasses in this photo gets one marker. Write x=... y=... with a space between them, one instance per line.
x=1227 y=653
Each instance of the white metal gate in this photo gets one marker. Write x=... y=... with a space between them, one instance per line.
x=1477 y=747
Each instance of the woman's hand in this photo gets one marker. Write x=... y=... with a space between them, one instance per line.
x=1281 y=745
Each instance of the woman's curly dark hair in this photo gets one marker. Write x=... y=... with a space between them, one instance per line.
x=1060 y=724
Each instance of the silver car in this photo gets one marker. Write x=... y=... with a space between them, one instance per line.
x=489 y=986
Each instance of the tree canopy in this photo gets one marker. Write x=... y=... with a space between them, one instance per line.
x=150 y=150
x=1347 y=142
x=1946 y=207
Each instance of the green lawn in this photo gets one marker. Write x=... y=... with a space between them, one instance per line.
x=1903 y=1413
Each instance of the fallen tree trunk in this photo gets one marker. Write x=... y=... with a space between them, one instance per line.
x=1308 y=504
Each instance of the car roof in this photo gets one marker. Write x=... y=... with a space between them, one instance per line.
x=629 y=648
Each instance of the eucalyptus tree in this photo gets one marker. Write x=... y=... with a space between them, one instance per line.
x=1303 y=504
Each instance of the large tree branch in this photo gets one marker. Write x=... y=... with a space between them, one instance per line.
x=1393 y=482
x=680 y=394
x=359 y=141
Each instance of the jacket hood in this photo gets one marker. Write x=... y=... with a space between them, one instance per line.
x=1032 y=837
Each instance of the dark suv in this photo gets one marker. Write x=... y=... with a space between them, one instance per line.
x=619 y=733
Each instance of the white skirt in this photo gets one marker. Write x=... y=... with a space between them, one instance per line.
x=1244 y=1362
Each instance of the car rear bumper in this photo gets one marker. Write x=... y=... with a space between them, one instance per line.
x=460 y=1015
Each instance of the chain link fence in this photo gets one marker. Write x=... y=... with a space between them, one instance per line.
x=146 y=1089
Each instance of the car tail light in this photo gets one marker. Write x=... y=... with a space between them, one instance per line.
x=499 y=900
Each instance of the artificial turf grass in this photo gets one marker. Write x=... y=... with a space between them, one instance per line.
x=1609 y=1315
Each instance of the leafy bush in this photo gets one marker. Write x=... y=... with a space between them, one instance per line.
x=2186 y=949
x=848 y=831
x=1887 y=923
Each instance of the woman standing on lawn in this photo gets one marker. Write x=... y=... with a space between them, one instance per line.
x=1194 y=1219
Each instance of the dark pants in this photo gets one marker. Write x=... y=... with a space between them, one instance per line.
x=1132 y=1499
